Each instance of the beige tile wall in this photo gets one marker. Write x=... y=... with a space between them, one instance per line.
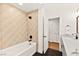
x=13 y=26
x=33 y=25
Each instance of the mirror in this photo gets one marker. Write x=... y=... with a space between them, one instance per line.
x=77 y=26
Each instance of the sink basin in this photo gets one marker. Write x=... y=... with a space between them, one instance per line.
x=75 y=53
x=71 y=46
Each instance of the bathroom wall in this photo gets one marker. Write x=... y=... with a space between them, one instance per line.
x=13 y=26
x=67 y=14
x=33 y=25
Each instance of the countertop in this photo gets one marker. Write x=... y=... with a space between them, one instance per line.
x=71 y=45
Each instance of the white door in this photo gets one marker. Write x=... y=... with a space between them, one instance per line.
x=45 y=34
x=54 y=30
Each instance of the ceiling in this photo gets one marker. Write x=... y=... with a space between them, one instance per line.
x=27 y=7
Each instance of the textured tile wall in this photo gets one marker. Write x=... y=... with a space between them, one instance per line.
x=33 y=25
x=13 y=26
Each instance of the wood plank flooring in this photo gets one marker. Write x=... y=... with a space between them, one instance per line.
x=53 y=45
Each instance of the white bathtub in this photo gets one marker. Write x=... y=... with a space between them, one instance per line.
x=22 y=49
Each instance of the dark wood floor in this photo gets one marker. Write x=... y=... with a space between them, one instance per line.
x=49 y=52
x=53 y=50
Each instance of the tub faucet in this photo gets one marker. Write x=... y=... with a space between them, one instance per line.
x=29 y=40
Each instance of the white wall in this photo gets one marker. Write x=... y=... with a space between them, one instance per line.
x=40 y=30
x=66 y=12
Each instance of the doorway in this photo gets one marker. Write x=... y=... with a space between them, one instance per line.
x=53 y=41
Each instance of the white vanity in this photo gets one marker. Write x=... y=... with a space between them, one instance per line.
x=69 y=46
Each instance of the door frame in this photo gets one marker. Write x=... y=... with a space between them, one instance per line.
x=59 y=26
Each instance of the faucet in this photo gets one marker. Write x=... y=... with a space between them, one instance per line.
x=75 y=35
x=30 y=39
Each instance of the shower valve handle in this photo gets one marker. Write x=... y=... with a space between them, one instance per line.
x=44 y=36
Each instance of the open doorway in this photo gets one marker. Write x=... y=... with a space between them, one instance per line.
x=53 y=41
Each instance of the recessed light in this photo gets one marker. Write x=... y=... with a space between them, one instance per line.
x=20 y=3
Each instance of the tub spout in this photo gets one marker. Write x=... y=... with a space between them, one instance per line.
x=29 y=42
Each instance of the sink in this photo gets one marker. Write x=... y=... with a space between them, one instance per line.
x=71 y=45
x=75 y=53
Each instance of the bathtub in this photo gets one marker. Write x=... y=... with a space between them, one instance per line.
x=21 y=49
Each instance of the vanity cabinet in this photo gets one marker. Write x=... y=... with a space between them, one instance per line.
x=63 y=48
